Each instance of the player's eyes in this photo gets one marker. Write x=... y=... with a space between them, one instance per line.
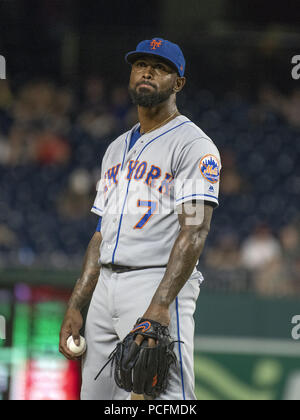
x=140 y=64
x=157 y=66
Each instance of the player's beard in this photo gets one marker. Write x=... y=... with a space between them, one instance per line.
x=149 y=99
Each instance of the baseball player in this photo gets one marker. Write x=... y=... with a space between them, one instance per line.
x=159 y=186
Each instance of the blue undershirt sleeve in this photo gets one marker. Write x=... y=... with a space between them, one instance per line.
x=99 y=225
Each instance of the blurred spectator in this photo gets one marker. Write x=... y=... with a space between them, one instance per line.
x=225 y=254
x=31 y=145
x=35 y=101
x=232 y=182
x=7 y=238
x=274 y=279
x=120 y=104
x=296 y=276
x=64 y=110
x=260 y=248
x=4 y=150
x=75 y=203
x=290 y=242
x=51 y=149
x=96 y=123
x=270 y=97
x=288 y=106
x=95 y=117
x=291 y=108
x=6 y=96
x=94 y=95
x=22 y=144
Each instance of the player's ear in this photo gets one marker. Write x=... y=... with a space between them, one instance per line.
x=179 y=84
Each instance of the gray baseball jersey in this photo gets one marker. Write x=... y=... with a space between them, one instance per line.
x=141 y=188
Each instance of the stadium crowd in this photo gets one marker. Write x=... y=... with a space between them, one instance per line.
x=52 y=139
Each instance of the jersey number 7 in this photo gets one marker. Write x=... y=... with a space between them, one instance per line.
x=152 y=206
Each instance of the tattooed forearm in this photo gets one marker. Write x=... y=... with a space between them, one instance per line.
x=86 y=284
x=186 y=251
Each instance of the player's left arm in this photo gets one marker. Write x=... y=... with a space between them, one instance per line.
x=195 y=219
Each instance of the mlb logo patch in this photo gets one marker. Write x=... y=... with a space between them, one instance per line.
x=211 y=189
x=210 y=168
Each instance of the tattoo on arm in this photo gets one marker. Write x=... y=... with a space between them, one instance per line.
x=186 y=251
x=86 y=284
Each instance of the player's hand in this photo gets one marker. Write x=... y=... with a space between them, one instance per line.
x=71 y=325
x=139 y=339
x=156 y=313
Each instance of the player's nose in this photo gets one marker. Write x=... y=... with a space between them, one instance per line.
x=148 y=72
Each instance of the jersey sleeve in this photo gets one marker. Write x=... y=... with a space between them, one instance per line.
x=99 y=203
x=197 y=175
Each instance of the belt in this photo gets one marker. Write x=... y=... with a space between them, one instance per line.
x=123 y=268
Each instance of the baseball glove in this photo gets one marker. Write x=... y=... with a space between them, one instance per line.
x=142 y=369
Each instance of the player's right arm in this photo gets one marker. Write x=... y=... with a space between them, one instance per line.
x=81 y=295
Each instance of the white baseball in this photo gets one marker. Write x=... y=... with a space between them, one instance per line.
x=77 y=350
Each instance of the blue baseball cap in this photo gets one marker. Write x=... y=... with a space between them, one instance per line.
x=161 y=48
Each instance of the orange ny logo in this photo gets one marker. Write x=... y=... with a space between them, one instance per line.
x=155 y=44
